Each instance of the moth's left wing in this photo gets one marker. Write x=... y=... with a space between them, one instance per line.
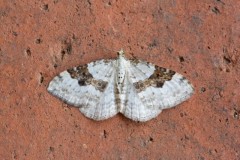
x=89 y=87
x=152 y=89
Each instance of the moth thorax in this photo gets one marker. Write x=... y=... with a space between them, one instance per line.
x=120 y=77
x=121 y=71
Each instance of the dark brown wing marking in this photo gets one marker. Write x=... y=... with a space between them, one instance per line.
x=85 y=78
x=157 y=79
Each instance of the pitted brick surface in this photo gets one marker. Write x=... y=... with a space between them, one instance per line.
x=38 y=39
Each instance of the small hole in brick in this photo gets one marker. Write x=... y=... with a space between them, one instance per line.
x=216 y=10
x=62 y=54
x=45 y=7
x=151 y=139
x=181 y=114
x=51 y=149
x=28 y=52
x=203 y=89
x=15 y=33
x=38 y=41
x=104 y=133
x=236 y=114
x=227 y=59
x=181 y=59
x=41 y=78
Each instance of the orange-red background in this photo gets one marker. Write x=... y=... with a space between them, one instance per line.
x=199 y=39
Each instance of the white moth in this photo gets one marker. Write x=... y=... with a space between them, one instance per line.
x=137 y=89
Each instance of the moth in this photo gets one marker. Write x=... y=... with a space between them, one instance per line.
x=138 y=89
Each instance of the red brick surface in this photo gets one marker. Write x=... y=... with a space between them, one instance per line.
x=200 y=39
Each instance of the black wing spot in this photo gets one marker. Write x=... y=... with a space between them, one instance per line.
x=82 y=83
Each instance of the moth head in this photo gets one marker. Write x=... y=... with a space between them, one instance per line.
x=121 y=53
